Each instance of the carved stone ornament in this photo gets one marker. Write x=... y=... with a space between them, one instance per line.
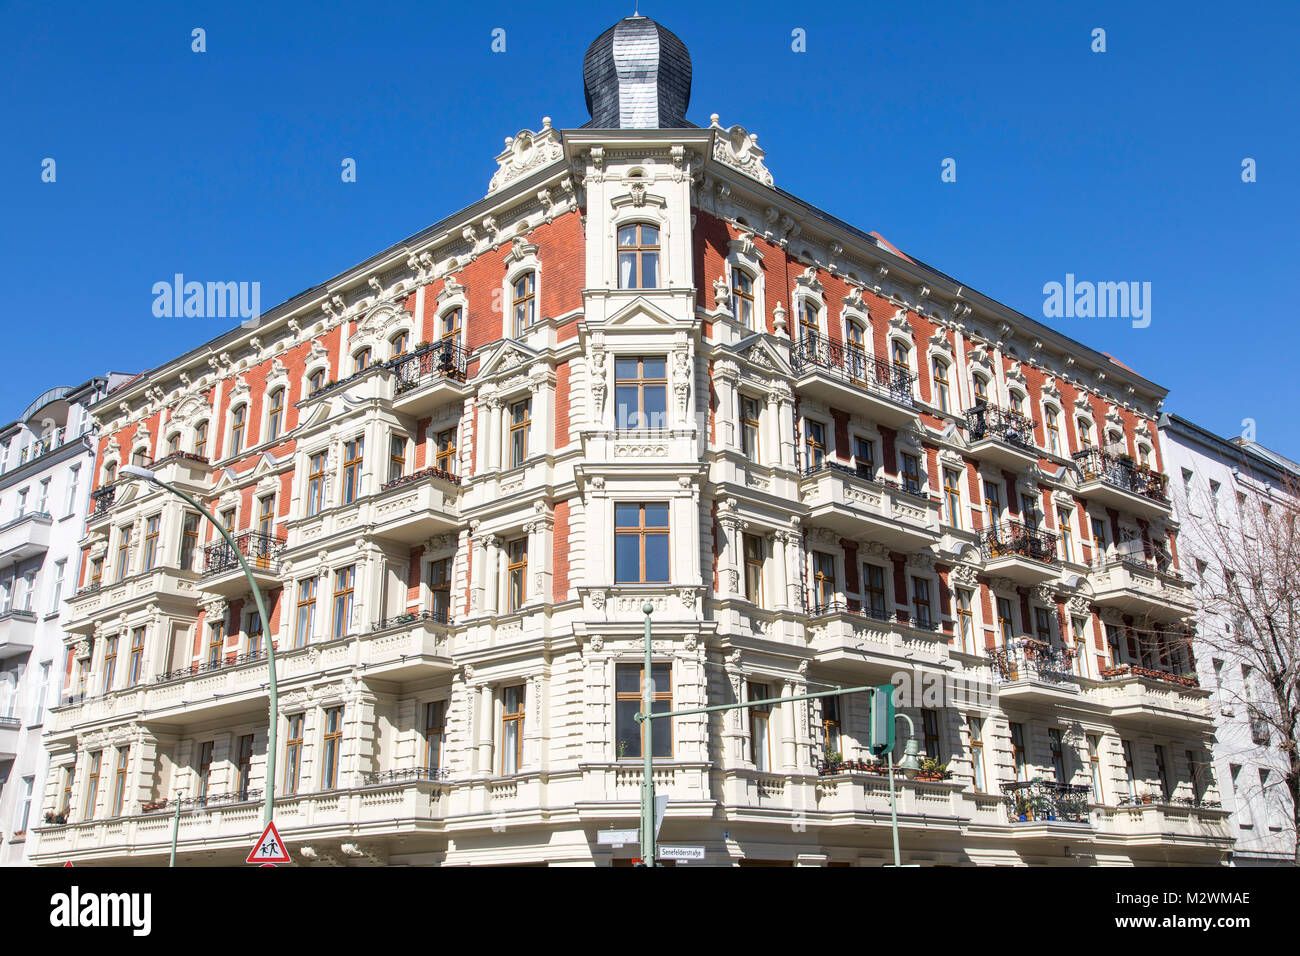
x=526 y=151
x=739 y=149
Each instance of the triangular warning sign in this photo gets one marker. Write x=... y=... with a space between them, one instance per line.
x=269 y=848
x=69 y=863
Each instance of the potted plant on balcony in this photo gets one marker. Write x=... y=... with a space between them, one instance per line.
x=833 y=763
x=931 y=769
x=1145 y=797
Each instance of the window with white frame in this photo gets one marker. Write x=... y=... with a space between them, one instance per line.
x=638 y=256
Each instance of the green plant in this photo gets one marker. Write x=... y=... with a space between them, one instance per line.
x=931 y=766
x=834 y=757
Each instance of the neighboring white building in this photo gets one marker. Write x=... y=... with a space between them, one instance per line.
x=45 y=479
x=1213 y=479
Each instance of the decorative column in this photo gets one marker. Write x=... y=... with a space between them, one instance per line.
x=770 y=447
x=541 y=384
x=788 y=727
x=781 y=568
x=787 y=425
x=491 y=573
x=730 y=551
x=727 y=423
x=483 y=730
x=491 y=431
x=540 y=539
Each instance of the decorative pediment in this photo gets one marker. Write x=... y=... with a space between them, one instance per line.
x=739 y=149
x=508 y=357
x=525 y=152
x=762 y=355
x=640 y=311
x=521 y=250
x=743 y=246
x=807 y=282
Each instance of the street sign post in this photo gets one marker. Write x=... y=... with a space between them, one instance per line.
x=269 y=848
x=617 y=837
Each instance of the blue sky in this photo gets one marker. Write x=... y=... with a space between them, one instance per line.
x=225 y=165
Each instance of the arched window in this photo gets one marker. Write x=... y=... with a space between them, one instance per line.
x=399 y=344
x=361 y=361
x=110 y=472
x=201 y=439
x=139 y=457
x=742 y=297
x=1144 y=454
x=809 y=321
x=1085 y=433
x=981 y=389
x=238 y=419
x=451 y=319
x=173 y=443
x=1053 y=430
x=900 y=354
x=525 y=304
x=638 y=256
x=275 y=415
x=1113 y=437
x=315 y=381
x=1017 y=402
x=857 y=335
x=941 y=397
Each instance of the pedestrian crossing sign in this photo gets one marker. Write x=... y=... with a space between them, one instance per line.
x=269 y=848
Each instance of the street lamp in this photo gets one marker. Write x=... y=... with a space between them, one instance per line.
x=910 y=763
x=144 y=474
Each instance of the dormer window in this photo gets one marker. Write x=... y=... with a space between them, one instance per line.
x=638 y=256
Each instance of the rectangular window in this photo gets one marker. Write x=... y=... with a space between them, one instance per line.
x=965 y=620
x=1079 y=626
x=1058 y=754
x=864 y=458
x=1018 y=752
x=1099 y=537
x=69 y=776
x=119 y=784
x=952 y=495
x=136 y=662
x=941 y=384
x=1130 y=773
x=244 y=766
x=823 y=579
x=446 y=451
x=760 y=748
x=275 y=415
x=123 y=550
x=921 y=602
x=42 y=693
x=206 y=751
x=1067 y=534
x=266 y=522
x=814 y=434
x=435 y=731
x=930 y=730
x=92 y=784
x=216 y=642
x=306 y=612
x=151 y=541
x=1195 y=770
x=873 y=578
x=628 y=698
x=353 y=459
x=396 y=457
x=23 y=810
x=189 y=540
x=831 y=724
x=516 y=573
x=333 y=743
x=977 y=751
x=315 y=484
x=754 y=569
x=641 y=392
x=440 y=588
x=1043 y=624
x=911 y=473
x=228 y=519
x=1094 y=763
x=1029 y=510
x=57 y=589
x=344 y=585
x=1162 y=773
x=749 y=425
x=1053 y=432
x=201 y=440
x=640 y=543
x=512 y=729
x=638 y=256
x=255 y=634
x=520 y=423
x=293 y=754
x=993 y=502
x=1005 y=626
x=524 y=304
x=74 y=477
x=1113 y=642
x=237 y=421
x=110 y=663
x=43 y=496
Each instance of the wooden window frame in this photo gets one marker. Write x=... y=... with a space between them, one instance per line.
x=396 y=456
x=120 y=780
x=870 y=592
x=310 y=585
x=316 y=466
x=136 y=660
x=742 y=299
x=641 y=531
x=814 y=437
x=520 y=426
x=345 y=584
x=755 y=556
x=952 y=496
x=911 y=473
x=751 y=429
x=1019 y=758
x=151 y=526
x=941 y=387
x=293 y=753
x=275 y=415
x=435 y=730
x=331 y=747
x=658 y=696
x=92 y=783
x=761 y=713
x=515 y=718
x=523 y=302
x=640 y=251
x=354 y=456
x=516 y=574
x=238 y=427
x=110 y=663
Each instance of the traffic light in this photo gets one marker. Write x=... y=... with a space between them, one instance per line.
x=882 y=719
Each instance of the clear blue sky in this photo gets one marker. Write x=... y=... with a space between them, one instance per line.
x=225 y=165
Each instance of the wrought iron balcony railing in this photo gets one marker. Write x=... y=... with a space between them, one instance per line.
x=437 y=615
x=1122 y=472
x=990 y=421
x=826 y=464
x=855 y=366
x=101 y=500
x=208 y=666
x=399 y=776
x=262 y=551
x=437 y=360
x=1039 y=800
x=1029 y=659
x=1012 y=538
x=1184 y=678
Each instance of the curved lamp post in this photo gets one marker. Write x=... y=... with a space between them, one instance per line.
x=144 y=474
x=910 y=763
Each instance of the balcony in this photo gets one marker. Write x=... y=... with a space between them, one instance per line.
x=183 y=468
x=1191 y=824
x=1153 y=698
x=415 y=507
x=430 y=377
x=222 y=573
x=1002 y=437
x=1020 y=552
x=847 y=377
x=1032 y=670
x=10 y=728
x=1138 y=586
x=102 y=501
x=1117 y=482
x=25 y=536
x=859 y=507
x=17 y=633
x=1041 y=802
x=172 y=590
x=843 y=633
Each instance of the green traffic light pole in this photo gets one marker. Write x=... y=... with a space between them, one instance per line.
x=135 y=471
x=910 y=759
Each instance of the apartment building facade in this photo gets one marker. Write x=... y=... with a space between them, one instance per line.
x=1221 y=490
x=47 y=458
x=634 y=372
